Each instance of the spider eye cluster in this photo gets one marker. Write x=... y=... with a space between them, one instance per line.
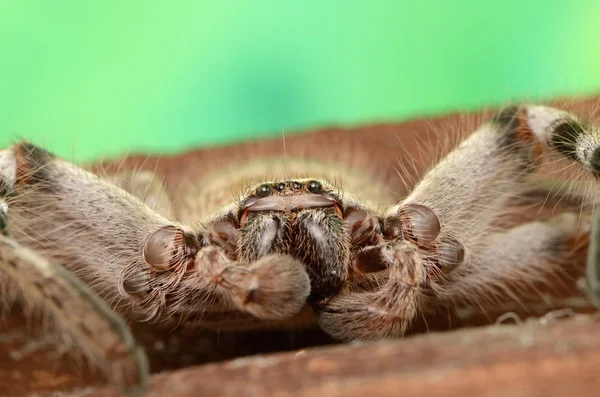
x=267 y=189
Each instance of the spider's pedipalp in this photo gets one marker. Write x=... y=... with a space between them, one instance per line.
x=272 y=287
x=384 y=313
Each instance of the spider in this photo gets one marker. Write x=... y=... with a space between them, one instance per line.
x=275 y=239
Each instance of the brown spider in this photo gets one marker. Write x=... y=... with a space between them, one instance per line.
x=367 y=265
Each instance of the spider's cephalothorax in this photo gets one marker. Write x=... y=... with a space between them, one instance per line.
x=303 y=219
x=366 y=269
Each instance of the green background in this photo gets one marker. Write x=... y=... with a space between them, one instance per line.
x=100 y=78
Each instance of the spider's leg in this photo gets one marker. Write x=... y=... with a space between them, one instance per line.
x=593 y=262
x=79 y=315
x=74 y=309
x=469 y=188
x=577 y=197
x=449 y=213
x=517 y=264
x=146 y=186
x=133 y=255
x=84 y=222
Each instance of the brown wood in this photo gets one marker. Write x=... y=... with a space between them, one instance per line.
x=538 y=358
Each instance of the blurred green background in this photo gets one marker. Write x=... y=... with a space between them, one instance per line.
x=89 y=79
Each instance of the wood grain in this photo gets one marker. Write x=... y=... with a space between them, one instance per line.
x=532 y=359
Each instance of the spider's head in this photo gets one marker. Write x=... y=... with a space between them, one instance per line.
x=305 y=218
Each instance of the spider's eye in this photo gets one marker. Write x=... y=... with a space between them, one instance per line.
x=280 y=186
x=263 y=190
x=314 y=187
x=297 y=185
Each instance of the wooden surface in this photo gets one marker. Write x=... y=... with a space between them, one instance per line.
x=544 y=357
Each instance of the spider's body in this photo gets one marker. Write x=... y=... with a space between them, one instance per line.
x=366 y=264
x=300 y=218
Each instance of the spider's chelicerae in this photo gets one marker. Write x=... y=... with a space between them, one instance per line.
x=319 y=236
